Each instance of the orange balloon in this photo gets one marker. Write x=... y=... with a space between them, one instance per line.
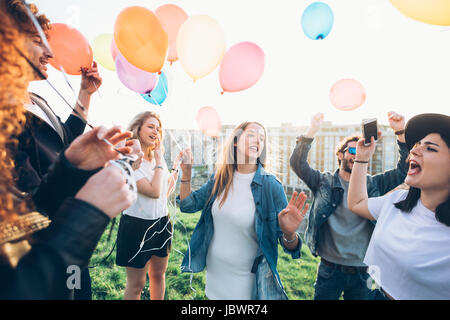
x=171 y=17
x=70 y=48
x=141 y=39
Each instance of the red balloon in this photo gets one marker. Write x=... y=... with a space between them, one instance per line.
x=70 y=48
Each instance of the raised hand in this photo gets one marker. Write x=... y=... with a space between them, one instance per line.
x=363 y=152
x=292 y=216
x=186 y=161
x=158 y=153
x=177 y=160
x=90 y=79
x=135 y=146
x=316 y=123
x=90 y=152
x=396 y=121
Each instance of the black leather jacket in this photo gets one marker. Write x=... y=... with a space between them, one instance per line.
x=70 y=239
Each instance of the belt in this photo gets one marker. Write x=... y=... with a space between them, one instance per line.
x=345 y=269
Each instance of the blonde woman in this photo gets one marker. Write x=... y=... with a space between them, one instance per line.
x=145 y=232
x=244 y=214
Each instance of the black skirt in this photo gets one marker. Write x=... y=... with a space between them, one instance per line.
x=156 y=236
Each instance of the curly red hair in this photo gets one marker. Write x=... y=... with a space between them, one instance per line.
x=16 y=10
x=14 y=75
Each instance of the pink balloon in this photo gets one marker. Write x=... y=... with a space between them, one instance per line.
x=208 y=120
x=347 y=95
x=133 y=78
x=172 y=18
x=242 y=66
x=114 y=49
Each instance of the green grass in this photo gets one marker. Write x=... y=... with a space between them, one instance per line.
x=108 y=279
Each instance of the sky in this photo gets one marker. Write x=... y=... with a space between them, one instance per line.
x=402 y=64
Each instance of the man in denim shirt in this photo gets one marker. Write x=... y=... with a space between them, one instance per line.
x=334 y=233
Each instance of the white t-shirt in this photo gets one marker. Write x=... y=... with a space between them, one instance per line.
x=234 y=244
x=409 y=253
x=145 y=207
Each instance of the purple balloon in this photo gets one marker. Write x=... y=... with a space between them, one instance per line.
x=134 y=78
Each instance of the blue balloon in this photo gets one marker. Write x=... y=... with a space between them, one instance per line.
x=159 y=94
x=317 y=20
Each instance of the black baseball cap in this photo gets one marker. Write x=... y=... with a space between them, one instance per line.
x=423 y=124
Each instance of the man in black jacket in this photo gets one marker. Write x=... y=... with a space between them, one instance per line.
x=45 y=135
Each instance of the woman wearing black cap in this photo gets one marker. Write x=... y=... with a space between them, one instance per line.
x=408 y=255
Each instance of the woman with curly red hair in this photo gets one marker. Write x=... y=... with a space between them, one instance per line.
x=80 y=209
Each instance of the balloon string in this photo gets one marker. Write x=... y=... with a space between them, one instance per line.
x=176 y=142
x=153 y=99
x=96 y=88
x=164 y=87
x=38 y=71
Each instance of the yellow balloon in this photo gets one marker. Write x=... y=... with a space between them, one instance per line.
x=435 y=12
x=200 y=45
x=102 y=51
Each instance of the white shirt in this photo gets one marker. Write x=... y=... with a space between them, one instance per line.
x=234 y=244
x=409 y=252
x=145 y=207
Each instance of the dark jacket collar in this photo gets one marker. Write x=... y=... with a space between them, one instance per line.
x=336 y=183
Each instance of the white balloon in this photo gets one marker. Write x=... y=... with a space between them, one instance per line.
x=200 y=46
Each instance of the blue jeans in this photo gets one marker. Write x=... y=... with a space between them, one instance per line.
x=377 y=294
x=331 y=283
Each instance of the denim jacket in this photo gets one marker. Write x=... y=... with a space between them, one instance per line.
x=328 y=191
x=270 y=199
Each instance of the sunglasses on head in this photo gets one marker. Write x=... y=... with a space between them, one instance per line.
x=351 y=150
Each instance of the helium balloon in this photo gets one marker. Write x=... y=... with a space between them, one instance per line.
x=242 y=66
x=317 y=20
x=171 y=17
x=102 y=51
x=200 y=46
x=347 y=94
x=208 y=121
x=133 y=78
x=141 y=39
x=435 y=12
x=159 y=94
x=70 y=48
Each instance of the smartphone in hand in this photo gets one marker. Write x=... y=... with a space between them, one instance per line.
x=369 y=129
